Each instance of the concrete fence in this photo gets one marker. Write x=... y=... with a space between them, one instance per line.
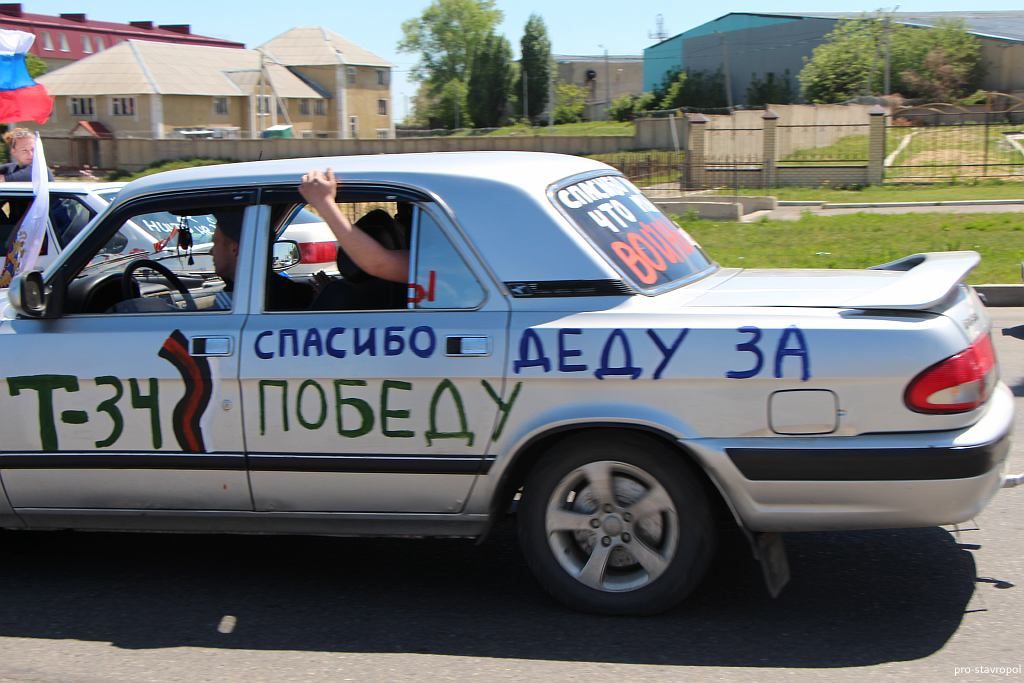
x=725 y=139
x=748 y=154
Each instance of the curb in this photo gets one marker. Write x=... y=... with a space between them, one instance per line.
x=885 y=205
x=1001 y=295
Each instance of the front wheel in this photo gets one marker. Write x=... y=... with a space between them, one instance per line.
x=616 y=525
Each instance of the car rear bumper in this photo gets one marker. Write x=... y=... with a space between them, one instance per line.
x=863 y=482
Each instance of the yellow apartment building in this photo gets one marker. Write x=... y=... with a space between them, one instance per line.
x=144 y=89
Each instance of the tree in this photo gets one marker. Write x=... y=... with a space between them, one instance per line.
x=944 y=63
x=491 y=82
x=699 y=89
x=771 y=90
x=36 y=66
x=447 y=36
x=570 y=101
x=852 y=59
x=627 y=107
x=536 y=65
x=449 y=106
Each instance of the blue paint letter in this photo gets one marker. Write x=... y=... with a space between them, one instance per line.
x=749 y=347
x=564 y=353
x=525 y=361
x=666 y=351
x=800 y=351
x=627 y=367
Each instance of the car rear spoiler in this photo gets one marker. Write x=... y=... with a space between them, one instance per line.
x=927 y=279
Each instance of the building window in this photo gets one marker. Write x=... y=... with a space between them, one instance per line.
x=47 y=40
x=382 y=77
x=304 y=107
x=86 y=45
x=220 y=106
x=351 y=75
x=263 y=104
x=82 y=106
x=353 y=126
x=319 y=108
x=123 y=106
x=382 y=107
x=63 y=42
x=382 y=133
x=100 y=45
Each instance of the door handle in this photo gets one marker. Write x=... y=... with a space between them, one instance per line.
x=467 y=346
x=211 y=346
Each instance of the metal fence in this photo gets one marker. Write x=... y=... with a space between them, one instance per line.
x=944 y=146
x=646 y=169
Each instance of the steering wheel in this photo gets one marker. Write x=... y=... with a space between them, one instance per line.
x=127 y=280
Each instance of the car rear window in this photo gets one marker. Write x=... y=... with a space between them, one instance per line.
x=649 y=250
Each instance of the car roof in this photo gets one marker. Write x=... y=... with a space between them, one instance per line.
x=499 y=199
x=62 y=186
x=503 y=167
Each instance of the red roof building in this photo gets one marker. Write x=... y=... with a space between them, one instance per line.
x=67 y=38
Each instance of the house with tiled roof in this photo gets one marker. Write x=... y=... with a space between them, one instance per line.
x=748 y=44
x=144 y=89
x=66 y=38
x=358 y=81
x=311 y=82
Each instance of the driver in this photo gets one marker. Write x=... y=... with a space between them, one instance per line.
x=283 y=293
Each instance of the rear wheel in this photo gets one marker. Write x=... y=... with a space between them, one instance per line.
x=616 y=525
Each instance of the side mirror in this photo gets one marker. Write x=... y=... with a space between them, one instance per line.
x=27 y=294
x=286 y=254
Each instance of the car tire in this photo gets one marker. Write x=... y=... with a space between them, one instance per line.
x=636 y=547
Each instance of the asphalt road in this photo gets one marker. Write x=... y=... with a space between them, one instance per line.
x=898 y=604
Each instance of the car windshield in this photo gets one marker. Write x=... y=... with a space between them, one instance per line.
x=649 y=250
x=161 y=225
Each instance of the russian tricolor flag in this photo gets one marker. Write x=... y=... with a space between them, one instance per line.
x=21 y=98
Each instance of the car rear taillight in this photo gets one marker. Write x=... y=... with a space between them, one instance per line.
x=958 y=384
x=318 y=252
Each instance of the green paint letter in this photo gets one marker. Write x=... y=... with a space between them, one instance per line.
x=504 y=409
x=44 y=386
x=150 y=403
x=110 y=408
x=386 y=413
x=361 y=406
x=433 y=433
x=283 y=386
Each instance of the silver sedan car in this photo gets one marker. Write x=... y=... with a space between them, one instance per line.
x=559 y=349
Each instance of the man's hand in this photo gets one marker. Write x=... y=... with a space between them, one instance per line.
x=319 y=188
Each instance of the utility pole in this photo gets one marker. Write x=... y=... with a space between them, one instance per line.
x=551 y=98
x=526 y=98
x=888 y=51
x=725 y=69
x=607 y=84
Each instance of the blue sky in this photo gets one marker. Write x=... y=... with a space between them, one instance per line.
x=578 y=28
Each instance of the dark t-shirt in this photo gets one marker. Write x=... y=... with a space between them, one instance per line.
x=13 y=173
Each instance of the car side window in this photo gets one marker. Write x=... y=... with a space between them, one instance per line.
x=68 y=216
x=441 y=278
x=437 y=276
x=161 y=270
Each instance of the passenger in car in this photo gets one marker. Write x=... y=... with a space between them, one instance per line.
x=319 y=189
x=358 y=290
x=22 y=145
